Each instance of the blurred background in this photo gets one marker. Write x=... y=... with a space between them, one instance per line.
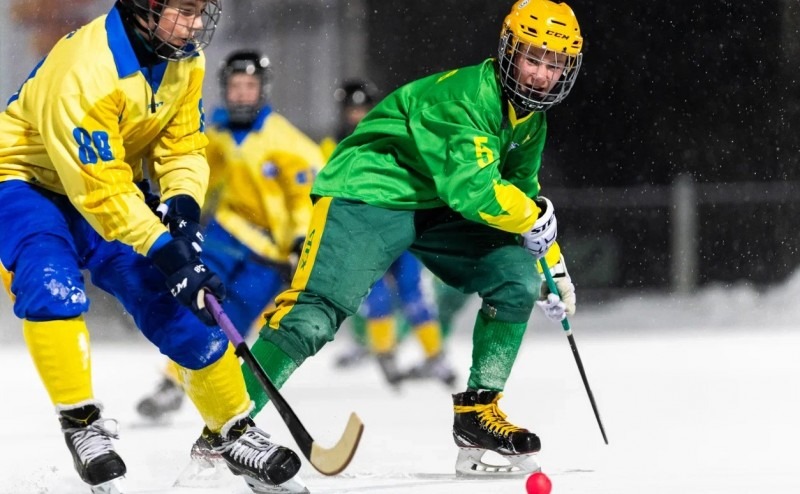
x=673 y=163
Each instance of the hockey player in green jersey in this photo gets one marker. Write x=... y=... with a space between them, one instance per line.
x=446 y=167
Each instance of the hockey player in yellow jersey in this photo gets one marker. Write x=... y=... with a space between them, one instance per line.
x=121 y=91
x=261 y=173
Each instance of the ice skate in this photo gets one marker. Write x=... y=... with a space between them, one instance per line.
x=207 y=468
x=351 y=357
x=436 y=367
x=266 y=467
x=163 y=402
x=110 y=487
x=88 y=438
x=388 y=365
x=479 y=426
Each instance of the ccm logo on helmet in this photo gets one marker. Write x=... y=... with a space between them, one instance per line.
x=557 y=35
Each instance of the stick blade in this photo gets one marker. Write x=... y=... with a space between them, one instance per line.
x=331 y=461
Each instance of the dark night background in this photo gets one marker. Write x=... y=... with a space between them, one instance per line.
x=704 y=88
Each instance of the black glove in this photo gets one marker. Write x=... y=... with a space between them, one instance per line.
x=151 y=199
x=187 y=277
x=181 y=214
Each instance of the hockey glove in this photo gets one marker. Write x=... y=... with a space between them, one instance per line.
x=150 y=198
x=181 y=214
x=187 y=277
x=558 y=306
x=543 y=233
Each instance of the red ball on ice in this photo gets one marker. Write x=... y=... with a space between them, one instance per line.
x=538 y=483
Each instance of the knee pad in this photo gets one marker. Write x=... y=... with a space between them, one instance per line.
x=47 y=288
x=378 y=303
x=513 y=301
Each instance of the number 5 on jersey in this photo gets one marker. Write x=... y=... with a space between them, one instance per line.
x=483 y=153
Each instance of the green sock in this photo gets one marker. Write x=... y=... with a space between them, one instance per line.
x=495 y=345
x=275 y=363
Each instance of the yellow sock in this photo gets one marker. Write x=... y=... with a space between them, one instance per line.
x=218 y=390
x=60 y=352
x=381 y=334
x=7 y=277
x=429 y=335
x=172 y=371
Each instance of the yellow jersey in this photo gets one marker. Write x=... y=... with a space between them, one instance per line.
x=87 y=118
x=262 y=178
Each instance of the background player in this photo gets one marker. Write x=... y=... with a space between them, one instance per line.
x=258 y=200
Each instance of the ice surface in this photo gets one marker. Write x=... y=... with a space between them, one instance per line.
x=699 y=395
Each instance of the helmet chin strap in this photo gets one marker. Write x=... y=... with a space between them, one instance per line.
x=242 y=115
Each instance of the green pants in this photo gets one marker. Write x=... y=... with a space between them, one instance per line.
x=350 y=245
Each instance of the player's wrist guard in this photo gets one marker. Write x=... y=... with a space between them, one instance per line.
x=544 y=231
x=181 y=214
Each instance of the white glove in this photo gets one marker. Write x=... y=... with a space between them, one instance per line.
x=556 y=307
x=543 y=233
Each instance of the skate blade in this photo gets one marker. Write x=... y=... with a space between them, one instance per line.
x=471 y=463
x=110 y=487
x=205 y=472
x=294 y=485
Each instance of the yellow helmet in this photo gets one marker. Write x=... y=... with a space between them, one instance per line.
x=543 y=32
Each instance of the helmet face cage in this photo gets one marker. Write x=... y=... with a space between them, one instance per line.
x=181 y=38
x=355 y=98
x=250 y=63
x=355 y=92
x=511 y=51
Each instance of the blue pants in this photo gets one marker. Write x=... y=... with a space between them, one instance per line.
x=251 y=281
x=46 y=243
x=405 y=279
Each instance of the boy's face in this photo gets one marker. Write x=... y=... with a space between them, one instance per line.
x=179 y=21
x=243 y=89
x=354 y=113
x=538 y=69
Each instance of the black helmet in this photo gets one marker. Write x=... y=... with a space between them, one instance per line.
x=245 y=62
x=151 y=10
x=356 y=92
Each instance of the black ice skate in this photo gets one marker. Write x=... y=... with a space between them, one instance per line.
x=164 y=401
x=351 y=357
x=479 y=426
x=207 y=468
x=265 y=466
x=436 y=367
x=88 y=438
x=388 y=365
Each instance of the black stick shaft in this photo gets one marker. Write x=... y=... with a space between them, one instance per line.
x=551 y=284
x=299 y=433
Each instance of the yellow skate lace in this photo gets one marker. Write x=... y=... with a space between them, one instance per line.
x=490 y=416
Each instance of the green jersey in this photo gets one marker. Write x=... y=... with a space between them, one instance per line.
x=450 y=139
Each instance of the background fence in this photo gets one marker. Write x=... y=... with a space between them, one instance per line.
x=674 y=163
